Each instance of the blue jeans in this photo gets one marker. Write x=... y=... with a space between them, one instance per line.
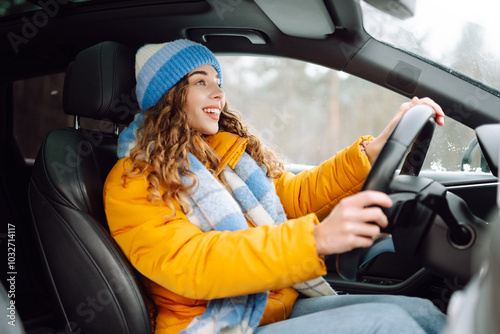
x=349 y=314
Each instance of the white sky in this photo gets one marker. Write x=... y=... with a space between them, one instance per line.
x=445 y=18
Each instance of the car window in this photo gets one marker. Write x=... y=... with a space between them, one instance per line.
x=303 y=111
x=38 y=109
x=308 y=112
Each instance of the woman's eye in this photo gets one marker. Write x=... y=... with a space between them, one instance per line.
x=201 y=83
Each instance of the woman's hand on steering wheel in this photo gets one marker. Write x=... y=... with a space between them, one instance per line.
x=354 y=222
x=373 y=148
x=411 y=129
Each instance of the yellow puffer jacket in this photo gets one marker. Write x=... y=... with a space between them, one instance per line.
x=187 y=267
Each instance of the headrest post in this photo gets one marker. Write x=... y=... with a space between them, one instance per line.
x=77 y=122
x=116 y=129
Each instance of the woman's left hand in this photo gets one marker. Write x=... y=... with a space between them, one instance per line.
x=373 y=148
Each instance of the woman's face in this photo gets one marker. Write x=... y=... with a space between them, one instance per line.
x=204 y=100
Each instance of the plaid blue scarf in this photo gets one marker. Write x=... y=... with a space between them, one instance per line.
x=213 y=208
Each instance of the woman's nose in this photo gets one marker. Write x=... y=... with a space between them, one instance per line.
x=218 y=92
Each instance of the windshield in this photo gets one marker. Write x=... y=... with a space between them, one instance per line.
x=460 y=35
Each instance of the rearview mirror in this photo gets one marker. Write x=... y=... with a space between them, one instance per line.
x=402 y=9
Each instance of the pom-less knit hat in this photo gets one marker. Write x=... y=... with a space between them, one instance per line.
x=158 y=67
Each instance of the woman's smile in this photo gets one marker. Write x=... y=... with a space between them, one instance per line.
x=213 y=112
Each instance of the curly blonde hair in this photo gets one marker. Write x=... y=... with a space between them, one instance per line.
x=165 y=139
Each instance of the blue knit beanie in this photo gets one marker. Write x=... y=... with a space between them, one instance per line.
x=158 y=67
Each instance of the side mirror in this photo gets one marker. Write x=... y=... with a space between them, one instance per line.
x=488 y=136
x=470 y=152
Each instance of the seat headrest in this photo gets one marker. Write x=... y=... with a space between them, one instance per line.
x=100 y=84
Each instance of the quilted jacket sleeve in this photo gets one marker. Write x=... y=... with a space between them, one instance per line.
x=319 y=189
x=178 y=256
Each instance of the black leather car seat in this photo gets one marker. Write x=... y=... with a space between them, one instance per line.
x=94 y=288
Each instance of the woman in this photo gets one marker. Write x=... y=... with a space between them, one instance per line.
x=224 y=236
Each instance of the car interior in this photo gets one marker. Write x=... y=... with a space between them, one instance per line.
x=67 y=275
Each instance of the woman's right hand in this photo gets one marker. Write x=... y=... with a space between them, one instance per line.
x=353 y=223
x=373 y=148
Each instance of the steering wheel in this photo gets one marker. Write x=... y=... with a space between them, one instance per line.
x=417 y=127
